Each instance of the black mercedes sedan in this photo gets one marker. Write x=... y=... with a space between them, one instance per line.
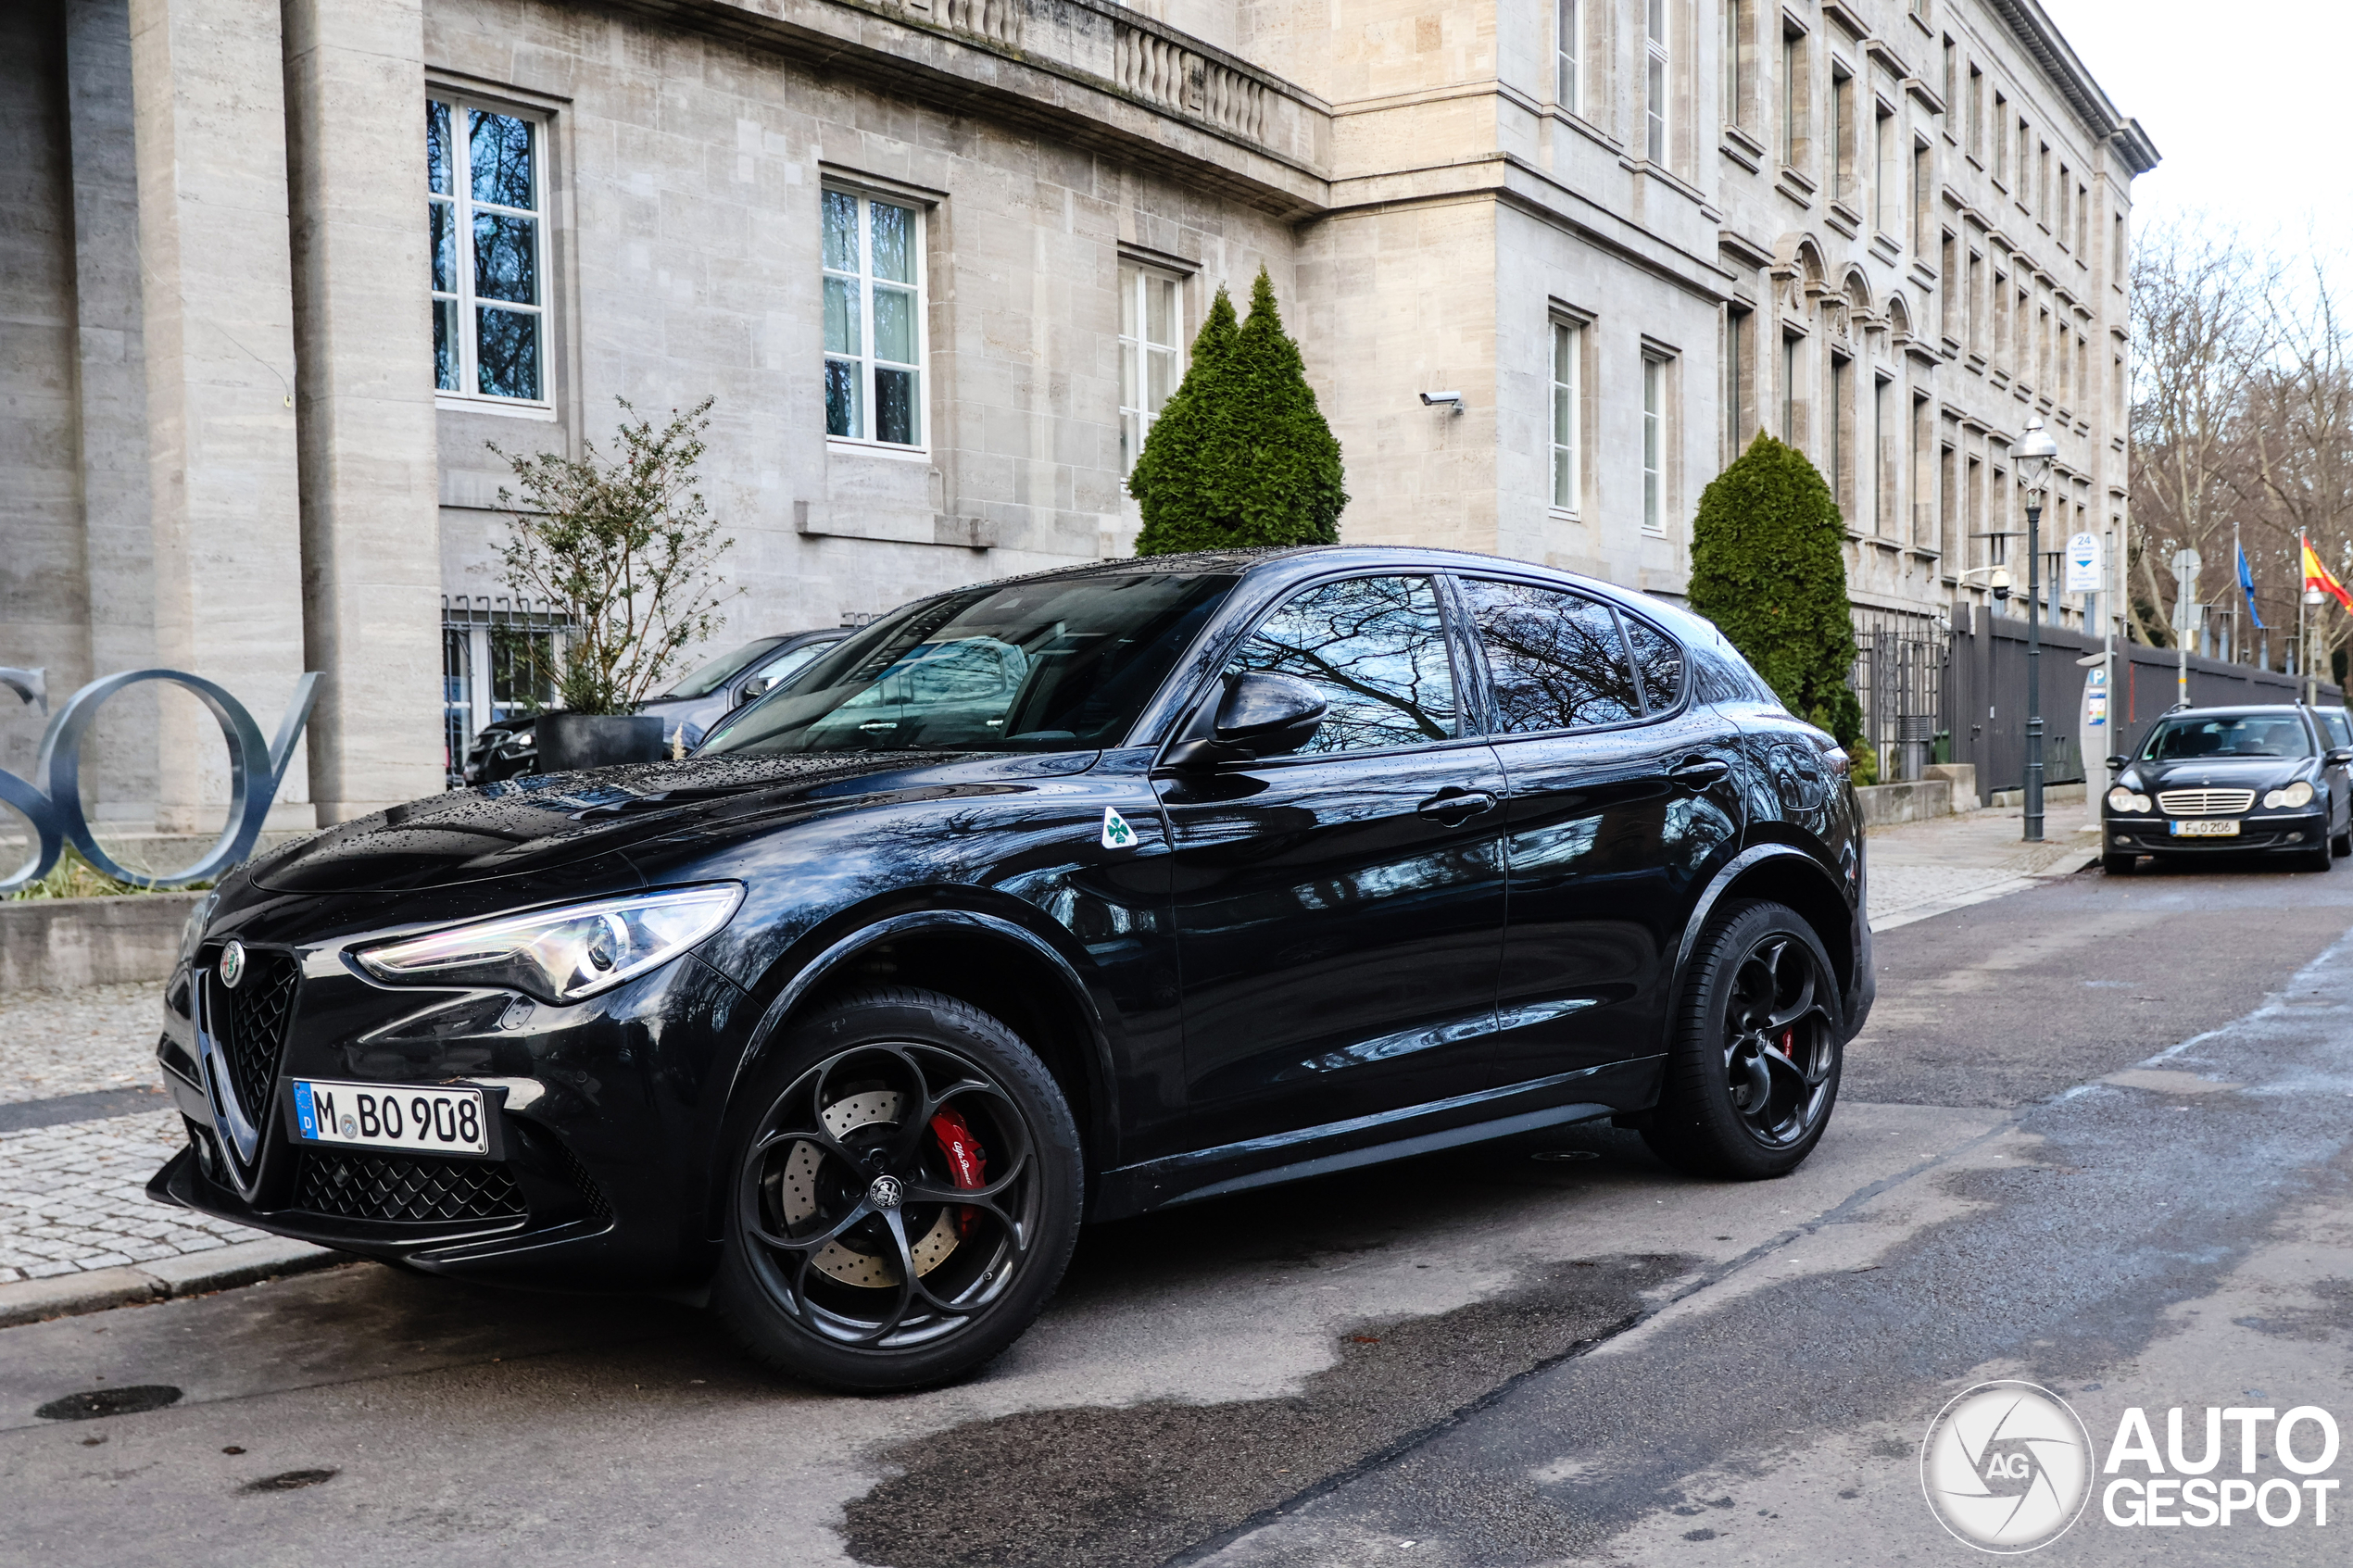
x=2231 y=781
x=1056 y=899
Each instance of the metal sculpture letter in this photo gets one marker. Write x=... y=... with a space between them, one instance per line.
x=54 y=807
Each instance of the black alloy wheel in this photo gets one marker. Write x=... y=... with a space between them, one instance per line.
x=1758 y=1047
x=906 y=1200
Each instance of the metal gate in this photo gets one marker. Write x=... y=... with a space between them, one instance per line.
x=1899 y=679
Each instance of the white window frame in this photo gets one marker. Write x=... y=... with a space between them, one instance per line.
x=1655 y=368
x=1135 y=281
x=1569 y=54
x=1658 y=86
x=460 y=203
x=862 y=440
x=1567 y=411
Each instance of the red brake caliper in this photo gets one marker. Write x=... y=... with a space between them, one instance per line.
x=966 y=1160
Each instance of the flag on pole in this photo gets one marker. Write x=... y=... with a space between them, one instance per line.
x=2247 y=584
x=2317 y=576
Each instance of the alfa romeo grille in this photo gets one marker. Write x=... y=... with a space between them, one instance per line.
x=394 y=1186
x=249 y=1026
x=2205 y=802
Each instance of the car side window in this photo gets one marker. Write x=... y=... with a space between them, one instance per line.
x=780 y=671
x=2336 y=731
x=1555 y=659
x=1373 y=648
x=1658 y=658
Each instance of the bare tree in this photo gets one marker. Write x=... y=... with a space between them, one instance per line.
x=2298 y=441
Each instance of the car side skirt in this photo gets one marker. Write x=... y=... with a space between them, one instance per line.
x=1586 y=1095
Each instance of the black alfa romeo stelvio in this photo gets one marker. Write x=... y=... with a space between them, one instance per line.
x=1058 y=899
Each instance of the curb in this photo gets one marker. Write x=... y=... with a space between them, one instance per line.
x=189 y=1274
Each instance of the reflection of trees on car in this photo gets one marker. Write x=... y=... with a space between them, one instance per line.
x=1374 y=649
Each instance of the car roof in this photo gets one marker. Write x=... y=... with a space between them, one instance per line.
x=2238 y=710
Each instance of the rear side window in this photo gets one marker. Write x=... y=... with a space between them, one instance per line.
x=2335 y=729
x=1556 y=659
x=1373 y=648
x=1658 y=658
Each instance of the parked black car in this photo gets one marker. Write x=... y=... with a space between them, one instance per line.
x=1065 y=898
x=2232 y=781
x=509 y=748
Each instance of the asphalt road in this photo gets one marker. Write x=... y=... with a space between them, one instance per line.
x=1494 y=1357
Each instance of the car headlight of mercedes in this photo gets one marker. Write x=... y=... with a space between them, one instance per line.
x=564 y=954
x=2122 y=799
x=2297 y=794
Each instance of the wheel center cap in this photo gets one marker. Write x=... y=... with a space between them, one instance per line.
x=886 y=1192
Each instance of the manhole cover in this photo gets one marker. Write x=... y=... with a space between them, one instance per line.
x=91 y=1403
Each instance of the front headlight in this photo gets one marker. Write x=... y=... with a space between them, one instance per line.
x=560 y=955
x=2120 y=799
x=2297 y=794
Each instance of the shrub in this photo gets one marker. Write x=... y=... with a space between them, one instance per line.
x=1241 y=455
x=1768 y=567
x=622 y=547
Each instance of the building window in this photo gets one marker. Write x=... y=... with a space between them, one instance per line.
x=499 y=661
x=1890 y=177
x=1835 y=428
x=1952 y=79
x=1976 y=114
x=2001 y=140
x=1923 y=199
x=1882 y=504
x=874 y=265
x=1738 y=320
x=1653 y=443
x=1731 y=61
x=1655 y=79
x=1151 y=330
x=1789 y=391
x=1568 y=415
x=1568 y=49
x=2066 y=189
x=1841 y=120
x=484 y=210
x=2082 y=219
x=1793 y=99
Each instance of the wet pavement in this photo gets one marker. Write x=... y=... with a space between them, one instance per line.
x=1488 y=1357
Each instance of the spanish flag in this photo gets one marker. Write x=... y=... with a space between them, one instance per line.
x=2317 y=576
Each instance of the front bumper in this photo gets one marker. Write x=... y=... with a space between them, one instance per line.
x=2259 y=833
x=598 y=1165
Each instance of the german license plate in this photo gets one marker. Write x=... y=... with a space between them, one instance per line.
x=385 y=1116
x=2226 y=827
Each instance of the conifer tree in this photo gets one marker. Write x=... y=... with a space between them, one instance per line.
x=1768 y=567
x=1241 y=455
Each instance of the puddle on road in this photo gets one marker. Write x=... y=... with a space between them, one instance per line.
x=1134 y=1484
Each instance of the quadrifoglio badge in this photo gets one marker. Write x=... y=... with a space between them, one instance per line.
x=2007 y=1467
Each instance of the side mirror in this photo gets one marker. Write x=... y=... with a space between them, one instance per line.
x=1257 y=715
x=2341 y=757
x=755 y=687
x=2119 y=762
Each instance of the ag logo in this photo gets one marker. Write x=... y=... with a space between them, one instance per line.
x=1117 y=835
x=2006 y=1467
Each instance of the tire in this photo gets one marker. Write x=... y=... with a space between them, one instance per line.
x=814 y=1277
x=2317 y=858
x=1759 y=1042
x=2118 y=865
x=2341 y=845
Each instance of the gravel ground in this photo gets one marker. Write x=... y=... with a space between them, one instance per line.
x=56 y=1043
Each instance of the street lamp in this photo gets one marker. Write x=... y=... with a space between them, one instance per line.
x=2032 y=457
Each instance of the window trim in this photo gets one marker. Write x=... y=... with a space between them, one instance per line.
x=1575 y=327
x=1659 y=84
x=867 y=195
x=1657 y=365
x=1568 y=56
x=467 y=396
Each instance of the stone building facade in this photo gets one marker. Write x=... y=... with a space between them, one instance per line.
x=285 y=279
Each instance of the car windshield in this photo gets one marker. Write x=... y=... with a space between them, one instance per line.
x=2191 y=738
x=721 y=671
x=1057 y=665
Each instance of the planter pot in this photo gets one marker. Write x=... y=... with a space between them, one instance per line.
x=569 y=741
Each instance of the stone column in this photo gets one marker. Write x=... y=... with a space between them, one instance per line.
x=117 y=533
x=208 y=101
x=370 y=517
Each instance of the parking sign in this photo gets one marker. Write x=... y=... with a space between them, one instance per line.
x=2083 y=565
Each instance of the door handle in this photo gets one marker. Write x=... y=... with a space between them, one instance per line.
x=1699 y=772
x=1453 y=805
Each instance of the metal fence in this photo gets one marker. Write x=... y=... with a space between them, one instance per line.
x=1900 y=660
x=498 y=659
x=1984 y=711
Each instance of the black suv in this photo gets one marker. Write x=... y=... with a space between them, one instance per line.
x=1065 y=898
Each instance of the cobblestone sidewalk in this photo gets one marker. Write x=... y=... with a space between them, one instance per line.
x=73 y=1196
x=1923 y=868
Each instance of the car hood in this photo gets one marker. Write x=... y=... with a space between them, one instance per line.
x=2220 y=772
x=537 y=823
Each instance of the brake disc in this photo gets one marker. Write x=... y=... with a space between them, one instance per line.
x=845 y=1258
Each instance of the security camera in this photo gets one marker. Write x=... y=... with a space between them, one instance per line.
x=1452 y=400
